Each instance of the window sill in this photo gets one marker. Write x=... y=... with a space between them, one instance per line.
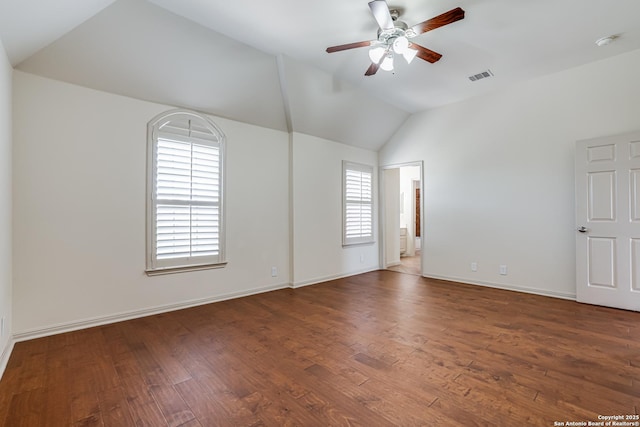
x=183 y=269
x=346 y=245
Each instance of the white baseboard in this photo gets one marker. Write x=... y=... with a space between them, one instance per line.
x=317 y=280
x=6 y=353
x=534 y=291
x=119 y=317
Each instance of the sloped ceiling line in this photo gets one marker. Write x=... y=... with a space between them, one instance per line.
x=221 y=57
x=158 y=56
x=502 y=35
x=285 y=92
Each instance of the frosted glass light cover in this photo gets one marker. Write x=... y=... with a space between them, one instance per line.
x=387 y=64
x=409 y=54
x=400 y=45
x=375 y=54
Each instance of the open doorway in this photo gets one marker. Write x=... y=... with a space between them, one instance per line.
x=402 y=222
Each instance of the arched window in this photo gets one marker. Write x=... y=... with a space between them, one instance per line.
x=185 y=193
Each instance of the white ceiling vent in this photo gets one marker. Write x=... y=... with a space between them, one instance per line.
x=482 y=75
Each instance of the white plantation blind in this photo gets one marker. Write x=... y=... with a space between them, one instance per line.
x=185 y=227
x=358 y=203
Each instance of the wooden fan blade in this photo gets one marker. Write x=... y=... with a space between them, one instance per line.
x=446 y=18
x=381 y=13
x=426 y=54
x=373 y=68
x=348 y=46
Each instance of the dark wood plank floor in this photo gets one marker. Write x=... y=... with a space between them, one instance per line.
x=378 y=349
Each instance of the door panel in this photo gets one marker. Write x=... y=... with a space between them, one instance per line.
x=634 y=177
x=602 y=196
x=608 y=214
x=635 y=265
x=601 y=153
x=602 y=262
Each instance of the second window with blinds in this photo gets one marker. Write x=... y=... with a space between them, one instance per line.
x=357 y=201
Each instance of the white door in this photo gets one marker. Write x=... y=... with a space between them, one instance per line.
x=608 y=221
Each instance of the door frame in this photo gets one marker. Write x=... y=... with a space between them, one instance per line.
x=382 y=211
x=415 y=185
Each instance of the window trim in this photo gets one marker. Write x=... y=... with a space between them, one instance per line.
x=367 y=240
x=153 y=266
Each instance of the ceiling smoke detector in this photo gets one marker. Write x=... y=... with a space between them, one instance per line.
x=605 y=40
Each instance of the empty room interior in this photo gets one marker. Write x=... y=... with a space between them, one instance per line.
x=376 y=213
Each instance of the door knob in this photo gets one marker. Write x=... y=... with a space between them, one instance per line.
x=583 y=229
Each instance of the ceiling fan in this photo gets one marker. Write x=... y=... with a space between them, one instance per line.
x=394 y=35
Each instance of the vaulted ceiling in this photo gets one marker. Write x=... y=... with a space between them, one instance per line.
x=265 y=62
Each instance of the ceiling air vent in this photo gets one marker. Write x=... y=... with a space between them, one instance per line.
x=482 y=75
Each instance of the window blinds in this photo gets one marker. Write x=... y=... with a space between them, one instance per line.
x=358 y=203
x=187 y=196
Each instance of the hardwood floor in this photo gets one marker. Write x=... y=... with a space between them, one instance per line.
x=378 y=349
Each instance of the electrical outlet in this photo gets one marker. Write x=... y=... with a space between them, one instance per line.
x=503 y=270
x=274 y=271
x=361 y=258
x=2 y=327
x=474 y=266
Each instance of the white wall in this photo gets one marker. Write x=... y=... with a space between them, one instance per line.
x=5 y=205
x=499 y=175
x=79 y=210
x=316 y=176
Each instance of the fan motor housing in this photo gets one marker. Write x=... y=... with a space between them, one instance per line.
x=400 y=29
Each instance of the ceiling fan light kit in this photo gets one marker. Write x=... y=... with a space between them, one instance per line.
x=393 y=37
